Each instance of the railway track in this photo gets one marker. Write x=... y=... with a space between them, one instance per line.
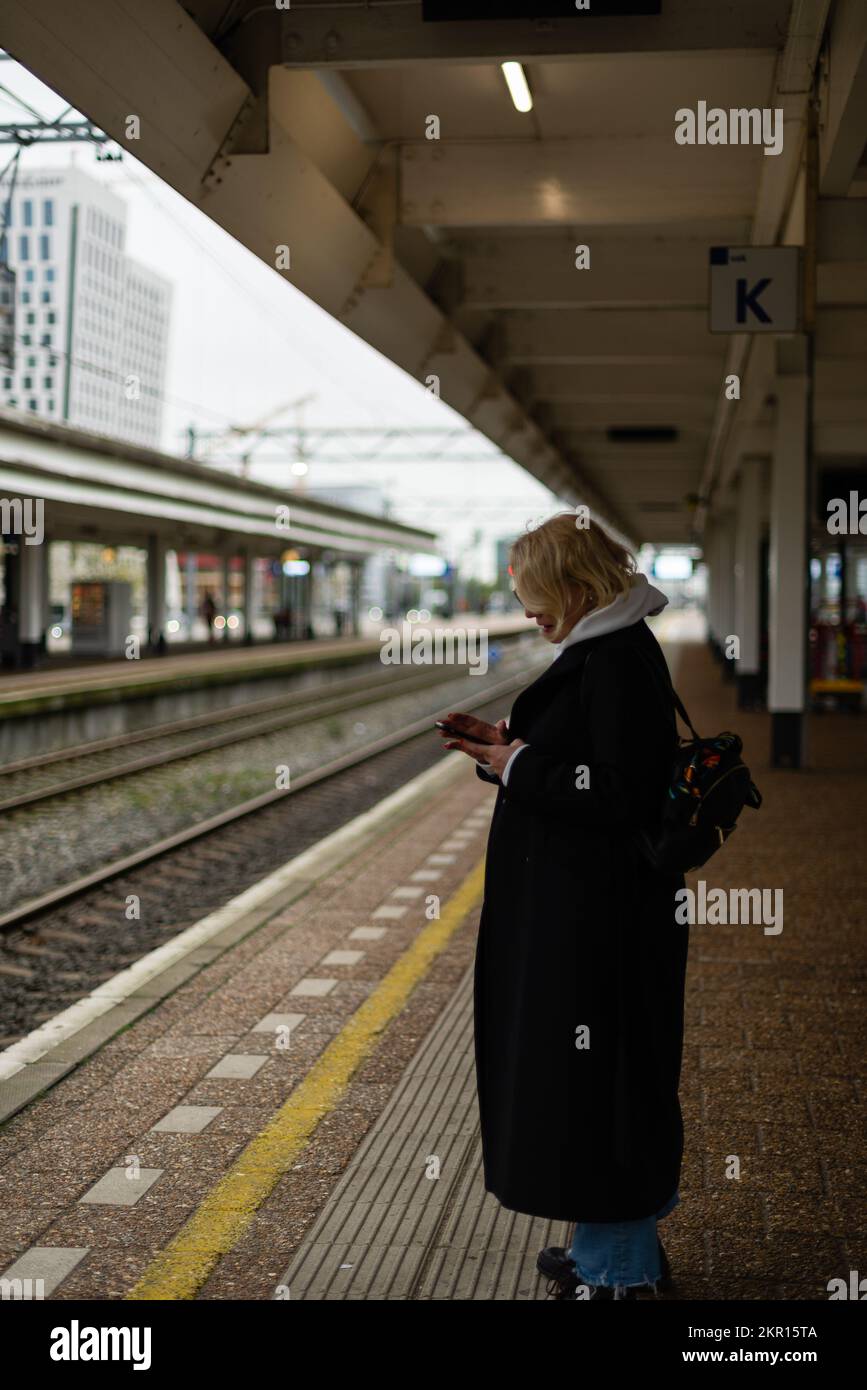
x=170 y=742
x=58 y=947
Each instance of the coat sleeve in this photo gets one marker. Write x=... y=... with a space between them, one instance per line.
x=618 y=786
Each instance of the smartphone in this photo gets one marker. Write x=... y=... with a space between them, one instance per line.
x=447 y=728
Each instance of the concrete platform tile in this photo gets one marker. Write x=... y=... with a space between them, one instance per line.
x=42 y=1269
x=278 y=1022
x=187 y=1119
x=237 y=1066
x=118 y=1189
x=315 y=987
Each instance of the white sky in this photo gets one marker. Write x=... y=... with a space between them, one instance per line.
x=245 y=342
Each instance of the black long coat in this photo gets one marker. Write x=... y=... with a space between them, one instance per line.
x=577 y=933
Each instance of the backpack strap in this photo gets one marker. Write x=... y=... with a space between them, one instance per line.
x=676 y=700
x=681 y=709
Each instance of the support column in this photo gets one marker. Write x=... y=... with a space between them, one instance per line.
x=46 y=585
x=714 y=587
x=251 y=598
x=32 y=598
x=305 y=622
x=726 y=610
x=226 y=591
x=356 y=571
x=156 y=595
x=747 y=585
x=789 y=563
x=191 y=569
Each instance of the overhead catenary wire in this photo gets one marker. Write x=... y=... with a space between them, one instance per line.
x=109 y=374
x=389 y=433
x=146 y=187
x=319 y=360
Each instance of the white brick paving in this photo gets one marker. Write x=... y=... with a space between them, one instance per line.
x=117 y=1189
x=49 y=1264
x=271 y=1022
x=238 y=1066
x=313 y=986
x=188 y=1119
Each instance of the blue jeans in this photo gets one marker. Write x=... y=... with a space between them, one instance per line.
x=619 y=1253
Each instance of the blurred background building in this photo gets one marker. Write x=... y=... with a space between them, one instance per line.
x=91 y=324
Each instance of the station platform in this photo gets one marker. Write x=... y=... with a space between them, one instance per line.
x=70 y=686
x=254 y=1111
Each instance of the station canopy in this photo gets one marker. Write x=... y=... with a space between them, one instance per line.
x=97 y=488
x=380 y=144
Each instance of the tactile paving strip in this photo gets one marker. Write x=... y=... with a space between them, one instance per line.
x=392 y=1230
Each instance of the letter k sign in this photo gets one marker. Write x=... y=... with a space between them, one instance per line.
x=749 y=299
x=755 y=289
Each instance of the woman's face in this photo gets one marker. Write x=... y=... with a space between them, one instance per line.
x=551 y=630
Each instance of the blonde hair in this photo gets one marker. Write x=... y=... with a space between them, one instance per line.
x=560 y=565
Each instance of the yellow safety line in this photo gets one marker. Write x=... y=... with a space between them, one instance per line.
x=218 y=1223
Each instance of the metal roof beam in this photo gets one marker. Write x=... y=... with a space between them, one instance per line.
x=539 y=272
x=533 y=272
x=580 y=336
x=646 y=380
x=547 y=183
x=843 y=127
x=375 y=34
x=110 y=58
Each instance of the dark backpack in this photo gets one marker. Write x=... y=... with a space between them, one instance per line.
x=710 y=786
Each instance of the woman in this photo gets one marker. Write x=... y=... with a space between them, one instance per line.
x=580 y=966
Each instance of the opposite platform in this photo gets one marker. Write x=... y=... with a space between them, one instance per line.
x=105 y=682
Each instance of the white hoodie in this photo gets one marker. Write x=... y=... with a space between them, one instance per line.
x=641 y=601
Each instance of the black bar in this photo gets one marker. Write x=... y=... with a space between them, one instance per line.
x=453 y=10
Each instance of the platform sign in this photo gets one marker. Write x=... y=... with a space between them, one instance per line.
x=755 y=289
x=7 y=317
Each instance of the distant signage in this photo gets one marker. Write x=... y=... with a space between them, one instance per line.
x=101 y=614
x=423 y=566
x=7 y=317
x=88 y=605
x=541 y=9
x=672 y=567
x=755 y=289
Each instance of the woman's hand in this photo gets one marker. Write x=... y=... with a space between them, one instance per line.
x=477 y=730
x=493 y=752
x=495 y=756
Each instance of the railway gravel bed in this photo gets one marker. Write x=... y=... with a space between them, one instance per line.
x=61 y=955
x=55 y=841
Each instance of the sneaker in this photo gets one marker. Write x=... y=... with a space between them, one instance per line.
x=559 y=1270
x=556 y=1264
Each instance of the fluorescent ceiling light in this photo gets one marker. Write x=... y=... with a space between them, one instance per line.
x=517 y=85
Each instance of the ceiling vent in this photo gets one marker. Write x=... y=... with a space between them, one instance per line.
x=642 y=434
